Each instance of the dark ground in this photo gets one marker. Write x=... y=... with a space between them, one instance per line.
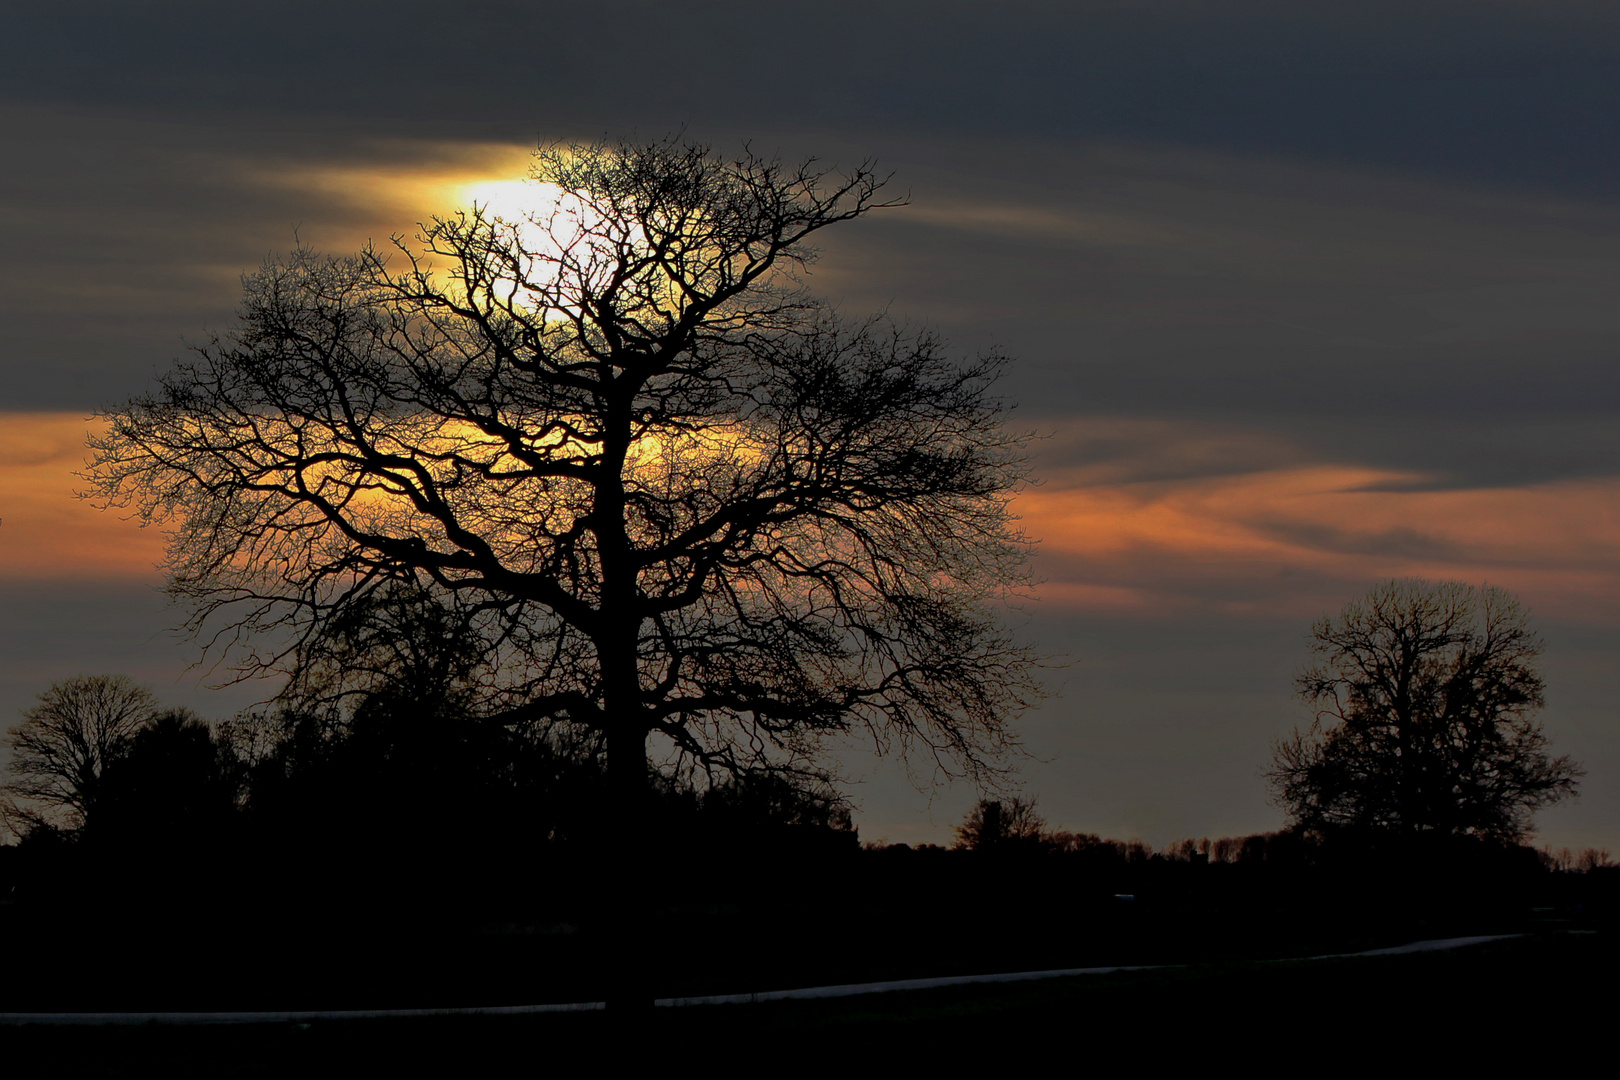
x=1526 y=1003
x=106 y=944
x=437 y=927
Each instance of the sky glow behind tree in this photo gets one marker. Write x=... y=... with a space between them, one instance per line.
x=1303 y=300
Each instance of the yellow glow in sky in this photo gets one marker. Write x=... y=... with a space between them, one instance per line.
x=46 y=534
x=512 y=200
x=562 y=239
x=1103 y=545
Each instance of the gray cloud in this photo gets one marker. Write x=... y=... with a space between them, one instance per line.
x=1457 y=331
x=1514 y=91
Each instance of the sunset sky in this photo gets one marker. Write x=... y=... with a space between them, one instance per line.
x=1300 y=300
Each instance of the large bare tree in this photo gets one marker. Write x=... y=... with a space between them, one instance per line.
x=676 y=500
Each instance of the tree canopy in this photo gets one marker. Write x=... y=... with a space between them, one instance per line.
x=1426 y=695
x=992 y=824
x=655 y=486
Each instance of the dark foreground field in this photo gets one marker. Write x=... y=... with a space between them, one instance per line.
x=1527 y=1002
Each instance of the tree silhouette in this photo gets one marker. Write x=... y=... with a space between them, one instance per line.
x=670 y=495
x=1426 y=694
x=175 y=787
x=993 y=825
x=61 y=751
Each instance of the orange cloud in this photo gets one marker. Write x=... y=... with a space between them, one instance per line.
x=46 y=534
x=1275 y=539
x=1286 y=541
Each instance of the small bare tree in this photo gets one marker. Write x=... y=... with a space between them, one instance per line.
x=993 y=824
x=1426 y=697
x=62 y=748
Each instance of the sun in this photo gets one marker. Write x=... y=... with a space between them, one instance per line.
x=561 y=246
x=544 y=219
x=514 y=200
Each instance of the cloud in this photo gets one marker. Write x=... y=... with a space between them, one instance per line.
x=48 y=535
x=1126 y=532
x=1146 y=517
x=1515 y=91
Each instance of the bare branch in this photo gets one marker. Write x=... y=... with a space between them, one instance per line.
x=616 y=454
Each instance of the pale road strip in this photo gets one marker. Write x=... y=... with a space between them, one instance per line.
x=848 y=990
x=852 y=989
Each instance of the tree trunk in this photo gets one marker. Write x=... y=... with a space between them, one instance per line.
x=625 y=865
x=625 y=862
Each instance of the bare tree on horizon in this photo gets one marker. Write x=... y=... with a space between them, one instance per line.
x=1426 y=697
x=61 y=750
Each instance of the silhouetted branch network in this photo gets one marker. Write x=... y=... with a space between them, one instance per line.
x=1426 y=697
x=616 y=453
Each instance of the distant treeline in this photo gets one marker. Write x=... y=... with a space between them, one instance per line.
x=1014 y=827
x=419 y=807
x=401 y=847
x=403 y=809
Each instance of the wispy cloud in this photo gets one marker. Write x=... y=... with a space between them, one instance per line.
x=46 y=533
x=1131 y=533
